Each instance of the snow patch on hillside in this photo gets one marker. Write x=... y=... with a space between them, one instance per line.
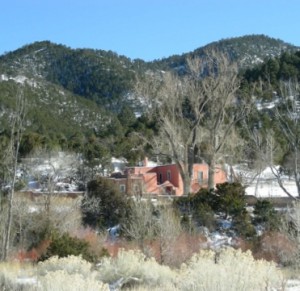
x=19 y=79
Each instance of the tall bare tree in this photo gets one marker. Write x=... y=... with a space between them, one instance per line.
x=148 y=223
x=186 y=104
x=287 y=117
x=222 y=110
x=177 y=104
x=141 y=225
x=11 y=164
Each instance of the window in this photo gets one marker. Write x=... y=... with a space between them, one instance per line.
x=160 y=178
x=122 y=188
x=200 y=177
x=169 y=175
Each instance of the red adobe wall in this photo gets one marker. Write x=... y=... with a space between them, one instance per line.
x=162 y=171
x=150 y=182
x=220 y=177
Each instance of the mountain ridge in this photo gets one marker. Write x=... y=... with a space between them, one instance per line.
x=95 y=84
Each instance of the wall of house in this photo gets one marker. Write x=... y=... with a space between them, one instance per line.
x=201 y=180
x=168 y=173
x=121 y=183
x=150 y=183
x=200 y=177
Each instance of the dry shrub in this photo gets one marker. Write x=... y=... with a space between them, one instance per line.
x=69 y=273
x=95 y=241
x=65 y=214
x=175 y=252
x=185 y=246
x=10 y=272
x=31 y=221
x=6 y=283
x=70 y=264
x=178 y=251
x=27 y=256
x=63 y=281
x=34 y=254
x=277 y=247
x=134 y=268
x=113 y=247
x=229 y=270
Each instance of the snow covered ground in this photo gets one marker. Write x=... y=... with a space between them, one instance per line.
x=264 y=184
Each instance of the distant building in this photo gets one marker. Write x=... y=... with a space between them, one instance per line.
x=163 y=180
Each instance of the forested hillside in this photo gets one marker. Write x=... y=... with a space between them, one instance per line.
x=89 y=93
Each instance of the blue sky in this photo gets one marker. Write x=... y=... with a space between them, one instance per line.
x=145 y=29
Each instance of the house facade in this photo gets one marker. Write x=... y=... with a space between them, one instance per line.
x=163 y=180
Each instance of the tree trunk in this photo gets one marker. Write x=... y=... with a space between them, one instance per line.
x=13 y=153
x=8 y=226
x=10 y=204
x=211 y=172
x=186 y=184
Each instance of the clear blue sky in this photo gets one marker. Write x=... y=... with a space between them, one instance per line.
x=146 y=29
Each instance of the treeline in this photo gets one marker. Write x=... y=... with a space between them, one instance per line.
x=271 y=72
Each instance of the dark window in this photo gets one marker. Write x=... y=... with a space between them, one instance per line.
x=200 y=177
x=160 y=178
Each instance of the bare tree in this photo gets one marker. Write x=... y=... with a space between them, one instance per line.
x=49 y=169
x=223 y=110
x=154 y=223
x=177 y=104
x=11 y=164
x=261 y=149
x=168 y=230
x=291 y=228
x=192 y=108
x=141 y=225
x=287 y=117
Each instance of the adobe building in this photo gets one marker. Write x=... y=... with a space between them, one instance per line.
x=163 y=180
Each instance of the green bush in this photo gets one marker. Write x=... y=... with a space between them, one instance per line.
x=64 y=245
x=243 y=225
x=205 y=216
x=266 y=215
x=230 y=198
x=104 y=205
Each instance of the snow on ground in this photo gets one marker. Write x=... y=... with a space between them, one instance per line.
x=18 y=79
x=263 y=189
x=265 y=184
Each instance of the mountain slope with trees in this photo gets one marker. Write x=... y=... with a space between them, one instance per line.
x=72 y=92
x=247 y=51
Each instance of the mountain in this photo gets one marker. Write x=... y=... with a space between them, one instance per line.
x=83 y=90
x=49 y=107
x=247 y=51
x=106 y=78
x=95 y=74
